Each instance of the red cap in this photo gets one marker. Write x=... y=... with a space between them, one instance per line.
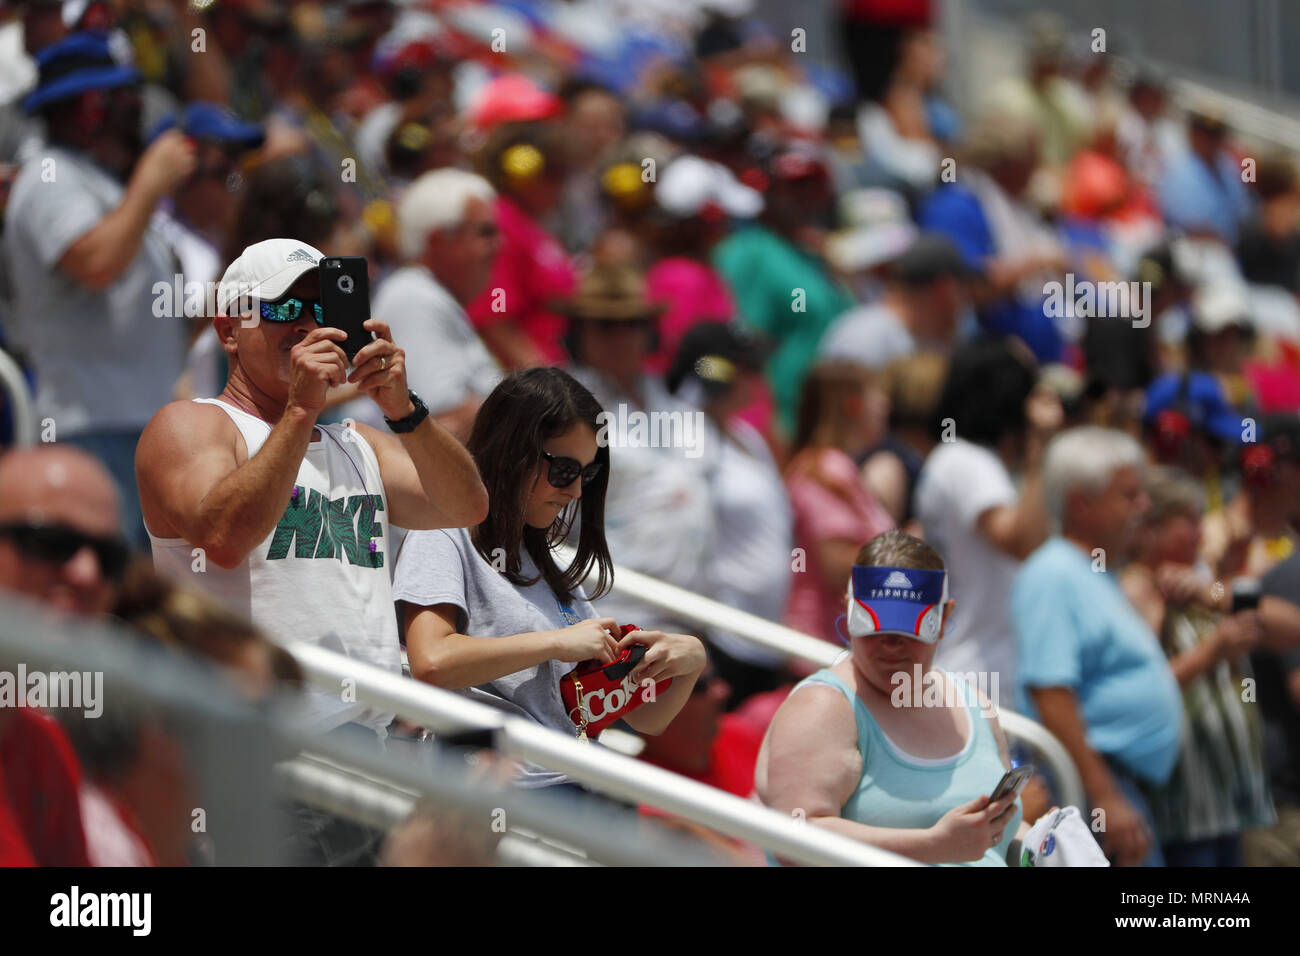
x=513 y=98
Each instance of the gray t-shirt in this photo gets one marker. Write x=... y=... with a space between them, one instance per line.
x=103 y=360
x=442 y=567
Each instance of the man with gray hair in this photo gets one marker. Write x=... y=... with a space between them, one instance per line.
x=447 y=233
x=1091 y=669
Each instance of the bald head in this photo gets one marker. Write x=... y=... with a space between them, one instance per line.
x=61 y=488
x=58 y=484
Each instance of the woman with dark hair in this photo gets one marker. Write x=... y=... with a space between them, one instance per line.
x=488 y=611
x=992 y=418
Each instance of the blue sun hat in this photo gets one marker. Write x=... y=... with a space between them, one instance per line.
x=906 y=601
x=78 y=63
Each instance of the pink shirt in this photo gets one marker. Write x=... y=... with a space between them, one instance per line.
x=693 y=293
x=529 y=275
x=837 y=506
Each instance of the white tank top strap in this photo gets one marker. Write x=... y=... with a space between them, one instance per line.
x=254 y=430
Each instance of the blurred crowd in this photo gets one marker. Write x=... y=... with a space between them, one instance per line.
x=1055 y=336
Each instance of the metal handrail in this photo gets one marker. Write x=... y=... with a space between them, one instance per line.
x=20 y=400
x=346 y=792
x=596 y=767
x=795 y=644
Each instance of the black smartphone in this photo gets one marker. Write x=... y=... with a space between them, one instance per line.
x=617 y=670
x=345 y=299
x=1245 y=595
x=1013 y=781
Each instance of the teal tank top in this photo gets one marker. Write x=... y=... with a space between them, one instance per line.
x=899 y=790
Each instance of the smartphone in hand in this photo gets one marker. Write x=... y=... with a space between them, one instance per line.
x=1013 y=781
x=345 y=299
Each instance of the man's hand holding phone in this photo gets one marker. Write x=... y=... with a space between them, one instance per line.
x=315 y=364
x=379 y=370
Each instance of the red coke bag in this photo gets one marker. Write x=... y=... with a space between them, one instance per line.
x=595 y=694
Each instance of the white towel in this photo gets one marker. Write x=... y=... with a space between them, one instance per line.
x=1062 y=838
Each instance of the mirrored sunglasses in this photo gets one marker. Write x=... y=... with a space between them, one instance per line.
x=288 y=310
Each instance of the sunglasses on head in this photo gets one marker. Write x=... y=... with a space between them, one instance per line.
x=288 y=310
x=58 y=544
x=563 y=471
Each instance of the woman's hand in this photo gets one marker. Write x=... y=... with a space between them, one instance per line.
x=666 y=656
x=587 y=640
x=968 y=831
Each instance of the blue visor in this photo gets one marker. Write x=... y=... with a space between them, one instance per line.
x=902 y=601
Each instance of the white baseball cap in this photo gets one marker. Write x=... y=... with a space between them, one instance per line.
x=690 y=183
x=877 y=229
x=264 y=272
x=1221 y=303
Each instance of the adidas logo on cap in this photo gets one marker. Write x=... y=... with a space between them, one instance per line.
x=300 y=255
x=897 y=579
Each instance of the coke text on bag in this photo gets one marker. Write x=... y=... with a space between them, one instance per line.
x=595 y=694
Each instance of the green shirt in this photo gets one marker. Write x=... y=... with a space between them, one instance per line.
x=788 y=295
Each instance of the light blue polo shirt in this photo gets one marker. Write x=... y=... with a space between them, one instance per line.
x=1075 y=628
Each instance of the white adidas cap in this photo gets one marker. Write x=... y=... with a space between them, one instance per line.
x=264 y=272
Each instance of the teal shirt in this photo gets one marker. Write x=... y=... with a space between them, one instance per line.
x=763 y=272
x=905 y=792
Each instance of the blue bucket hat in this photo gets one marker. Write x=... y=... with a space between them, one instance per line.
x=906 y=601
x=213 y=123
x=78 y=63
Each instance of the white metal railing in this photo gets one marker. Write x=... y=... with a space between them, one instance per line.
x=382 y=804
x=22 y=408
x=596 y=767
x=794 y=644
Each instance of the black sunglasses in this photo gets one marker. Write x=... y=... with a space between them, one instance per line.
x=59 y=543
x=564 y=471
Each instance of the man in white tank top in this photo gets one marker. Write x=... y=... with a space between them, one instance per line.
x=246 y=497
